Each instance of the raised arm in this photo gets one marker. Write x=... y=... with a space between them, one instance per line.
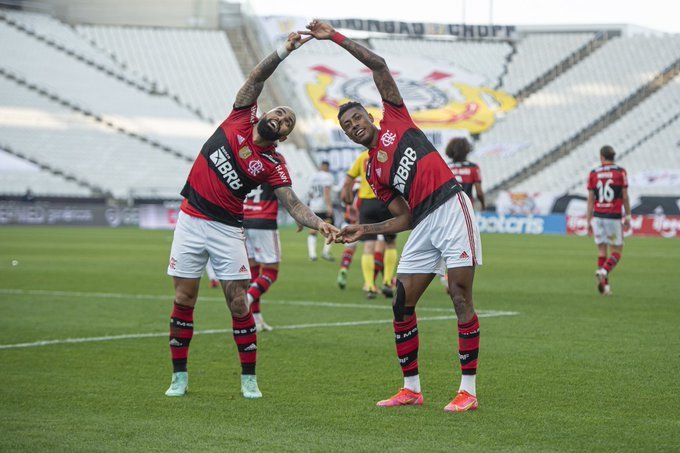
x=253 y=85
x=302 y=214
x=381 y=73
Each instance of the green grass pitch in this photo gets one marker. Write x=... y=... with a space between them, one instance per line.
x=571 y=371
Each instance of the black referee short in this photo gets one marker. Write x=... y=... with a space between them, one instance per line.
x=326 y=216
x=372 y=210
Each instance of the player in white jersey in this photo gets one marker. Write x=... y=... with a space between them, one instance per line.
x=320 y=202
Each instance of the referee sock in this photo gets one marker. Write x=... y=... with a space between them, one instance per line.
x=468 y=350
x=390 y=266
x=245 y=336
x=612 y=262
x=367 y=270
x=181 y=332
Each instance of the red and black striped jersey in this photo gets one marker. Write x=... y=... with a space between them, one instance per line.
x=261 y=209
x=607 y=183
x=405 y=163
x=467 y=174
x=229 y=166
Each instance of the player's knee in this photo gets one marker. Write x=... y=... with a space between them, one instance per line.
x=399 y=308
x=235 y=292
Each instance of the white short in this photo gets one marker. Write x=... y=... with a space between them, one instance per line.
x=448 y=234
x=197 y=239
x=607 y=231
x=263 y=246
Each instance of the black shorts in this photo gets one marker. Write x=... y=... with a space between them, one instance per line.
x=372 y=210
x=325 y=216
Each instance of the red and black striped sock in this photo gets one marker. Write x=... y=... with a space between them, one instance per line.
x=245 y=336
x=600 y=261
x=181 y=332
x=255 y=306
x=263 y=282
x=468 y=345
x=406 y=338
x=254 y=272
x=378 y=265
x=347 y=257
x=612 y=262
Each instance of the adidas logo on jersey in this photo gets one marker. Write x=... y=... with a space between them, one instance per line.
x=221 y=161
x=240 y=139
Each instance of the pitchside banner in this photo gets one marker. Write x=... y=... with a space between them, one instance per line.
x=490 y=222
x=640 y=225
x=66 y=214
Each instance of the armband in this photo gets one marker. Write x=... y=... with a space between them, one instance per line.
x=337 y=37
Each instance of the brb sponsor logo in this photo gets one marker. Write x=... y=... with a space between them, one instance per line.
x=404 y=169
x=221 y=161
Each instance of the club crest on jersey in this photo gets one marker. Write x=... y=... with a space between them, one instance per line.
x=255 y=167
x=220 y=159
x=382 y=156
x=388 y=138
x=244 y=152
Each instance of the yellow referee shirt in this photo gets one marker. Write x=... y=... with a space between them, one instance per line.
x=358 y=169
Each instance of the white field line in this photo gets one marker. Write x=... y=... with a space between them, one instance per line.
x=480 y=313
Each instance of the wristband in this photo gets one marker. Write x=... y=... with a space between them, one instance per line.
x=337 y=37
x=282 y=52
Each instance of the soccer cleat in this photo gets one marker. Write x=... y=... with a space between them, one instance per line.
x=387 y=291
x=462 y=402
x=601 y=277
x=214 y=283
x=260 y=325
x=179 y=384
x=404 y=397
x=312 y=258
x=327 y=257
x=342 y=278
x=249 y=387
x=606 y=291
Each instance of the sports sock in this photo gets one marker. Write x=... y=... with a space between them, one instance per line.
x=367 y=270
x=311 y=245
x=326 y=249
x=611 y=263
x=412 y=383
x=255 y=307
x=181 y=332
x=468 y=350
x=347 y=255
x=245 y=336
x=262 y=284
x=600 y=261
x=254 y=272
x=406 y=338
x=390 y=266
x=378 y=265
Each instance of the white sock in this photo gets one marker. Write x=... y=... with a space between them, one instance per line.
x=467 y=383
x=249 y=298
x=311 y=246
x=327 y=249
x=412 y=383
x=257 y=317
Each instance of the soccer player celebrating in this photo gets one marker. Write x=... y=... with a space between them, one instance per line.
x=607 y=194
x=408 y=174
x=238 y=157
x=321 y=203
x=372 y=210
x=260 y=212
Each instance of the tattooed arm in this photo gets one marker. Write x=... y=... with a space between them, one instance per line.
x=302 y=214
x=381 y=73
x=253 y=85
x=400 y=222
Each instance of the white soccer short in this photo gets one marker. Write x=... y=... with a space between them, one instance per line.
x=607 y=231
x=447 y=234
x=197 y=239
x=263 y=246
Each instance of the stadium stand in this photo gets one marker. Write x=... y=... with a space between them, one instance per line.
x=635 y=130
x=77 y=145
x=575 y=100
x=198 y=67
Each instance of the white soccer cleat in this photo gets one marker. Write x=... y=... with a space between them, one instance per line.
x=260 y=325
x=179 y=384
x=249 y=387
x=606 y=291
x=601 y=277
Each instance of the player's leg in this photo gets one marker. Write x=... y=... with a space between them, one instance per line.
x=615 y=235
x=188 y=258
x=367 y=266
x=409 y=288
x=326 y=249
x=267 y=253
x=390 y=264
x=601 y=273
x=311 y=245
x=379 y=257
x=269 y=275
x=347 y=256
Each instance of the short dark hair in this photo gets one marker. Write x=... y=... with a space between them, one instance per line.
x=348 y=105
x=608 y=153
x=458 y=149
x=325 y=162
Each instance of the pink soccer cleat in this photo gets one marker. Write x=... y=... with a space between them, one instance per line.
x=462 y=402
x=405 y=397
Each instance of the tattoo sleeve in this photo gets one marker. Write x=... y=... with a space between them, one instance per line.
x=252 y=88
x=301 y=213
x=381 y=73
